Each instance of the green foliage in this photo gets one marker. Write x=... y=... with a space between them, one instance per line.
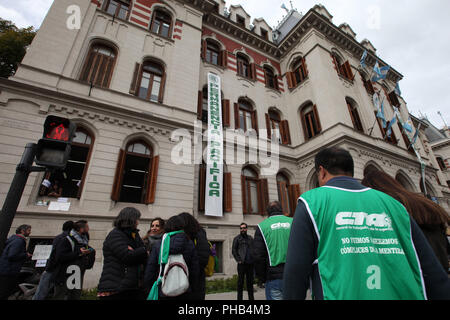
x=13 y=43
x=223 y=285
x=89 y=294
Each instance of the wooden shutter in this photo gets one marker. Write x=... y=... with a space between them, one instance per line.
x=255 y=122
x=316 y=116
x=227 y=192
x=305 y=67
x=108 y=72
x=200 y=105
x=348 y=71
x=118 y=176
x=268 y=126
x=370 y=87
x=161 y=89
x=226 y=113
x=224 y=58
x=263 y=197
x=305 y=129
x=201 y=187
x=88 y=65
x=203 y=50
x=244 y=195
x=285 y=133
x=283 y=196
x=294 y=193
x=351 y=115
x=153 y=177
x=134 y=81
x=335 y=63
x=290 y=82
x=253 y=71
x=237 y=123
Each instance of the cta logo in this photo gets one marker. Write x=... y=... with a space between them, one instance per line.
x=280 y=225
x=363 y=219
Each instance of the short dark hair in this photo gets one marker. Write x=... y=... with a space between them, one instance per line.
x=274 y=207
x=174 y=223
x=336 y=161
x=23 y=227
x=127 y=218
x=243 y=223
x=79 y=225
x=68 y=225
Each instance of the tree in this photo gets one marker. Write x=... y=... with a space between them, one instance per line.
x=13 y=44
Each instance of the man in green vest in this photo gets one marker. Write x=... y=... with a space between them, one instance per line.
x=270 y=249
x=349 y=242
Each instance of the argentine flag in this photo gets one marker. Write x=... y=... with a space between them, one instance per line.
x=362 y=62
x=381 y=73
x=406 y=125
x=380 y=114
x=391 y=123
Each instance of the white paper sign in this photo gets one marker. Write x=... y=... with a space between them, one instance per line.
x=42 y=252
x=59 y=206
x=41 y=263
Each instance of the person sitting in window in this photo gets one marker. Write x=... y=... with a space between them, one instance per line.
x=55 y=190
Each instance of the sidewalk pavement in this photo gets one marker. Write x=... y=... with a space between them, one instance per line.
x=259 y=293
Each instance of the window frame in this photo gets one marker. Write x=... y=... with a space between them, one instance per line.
x=116 y=13
x=155 y=18
x=151 y=81
x=354 y=114
x=243 y=63
x=246 y=108
x=269 y=75
x=213 y=48
x=94 y=62
x=310 y=120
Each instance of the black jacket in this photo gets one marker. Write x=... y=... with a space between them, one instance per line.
x=67 y=255
x=435 y=234
x=179 y=244
x=263 y=270
x=300 y=271
x=51 y=263
x=202 y=248
x=240 y=246
x=13 y=256
x=122 y=268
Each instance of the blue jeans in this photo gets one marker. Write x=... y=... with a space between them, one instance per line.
x=274 y=289
x=44 y=286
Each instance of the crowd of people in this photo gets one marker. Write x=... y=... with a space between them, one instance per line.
x=347 y=240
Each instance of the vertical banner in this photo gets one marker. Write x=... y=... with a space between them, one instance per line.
x=214 y=161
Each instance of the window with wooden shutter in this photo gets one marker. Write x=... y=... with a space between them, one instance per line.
x=202 y=187
x=290 y=82
x=136 y=174
x=99 y=66
x=348 y=73
x=356 y=120
x=243 y=66
x=237 y=122
x=117 y=8
x=251 y=191
x=299 y=72
x=161 y=23
x=200 y=105
x=246 y=116
x=282 y=188
x=311 y=122
x=268 y=126
x=285 y=133
x=294 y=194
x=394 y=99
x=263 y=191
x=134 y=80
x=226 y=113
x=224 y=58
x=252 y=71
x=271 y=79
x=203 y=50
x=213 y=53
x=151 y=82
x=227 y=192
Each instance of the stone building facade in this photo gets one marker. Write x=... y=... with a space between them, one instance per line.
x=132 y=72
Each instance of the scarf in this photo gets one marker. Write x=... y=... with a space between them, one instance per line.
x=81 y=239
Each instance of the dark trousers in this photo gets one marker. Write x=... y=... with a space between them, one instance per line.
x=8 y=285
x=245 y=270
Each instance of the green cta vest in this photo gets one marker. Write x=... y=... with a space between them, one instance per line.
x=365 y=247
x=275 y=231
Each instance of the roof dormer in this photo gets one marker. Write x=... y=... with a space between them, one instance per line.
x=323 y=11
x=347 y=29
x=262 y=29
x=368 y=45
x=240 y=16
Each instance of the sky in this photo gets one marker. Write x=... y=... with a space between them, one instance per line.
x=410 y=35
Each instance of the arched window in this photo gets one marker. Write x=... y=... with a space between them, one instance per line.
x=370 y=168
x=271 y=79
x=245 y=116
x=367 y=83
x=274 y=125
x=136 y=173
x=212 y=53
x=441 y=163
x=161 y=23
x=404 y=182
x=151 y=81
x=298 y=73
x=118 y=8
x=255 y=192
x=99 y=65
x=356 y=120
x=310 y=121
x=343 y=68
x=70 y=182
x=243 y=66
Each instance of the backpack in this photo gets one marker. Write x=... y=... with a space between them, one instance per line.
x=174 y=279
x=209 y=269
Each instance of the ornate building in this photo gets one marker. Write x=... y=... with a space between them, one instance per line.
x=131 y=72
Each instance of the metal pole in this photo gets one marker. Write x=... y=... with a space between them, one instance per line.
x=14 y=195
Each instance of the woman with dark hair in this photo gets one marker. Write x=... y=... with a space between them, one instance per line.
x=197 y=234
x=430 y=217
x=154 y=234
x=179 y=244
x=124 y=259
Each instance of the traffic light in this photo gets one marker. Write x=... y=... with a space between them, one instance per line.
x=54 y=148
